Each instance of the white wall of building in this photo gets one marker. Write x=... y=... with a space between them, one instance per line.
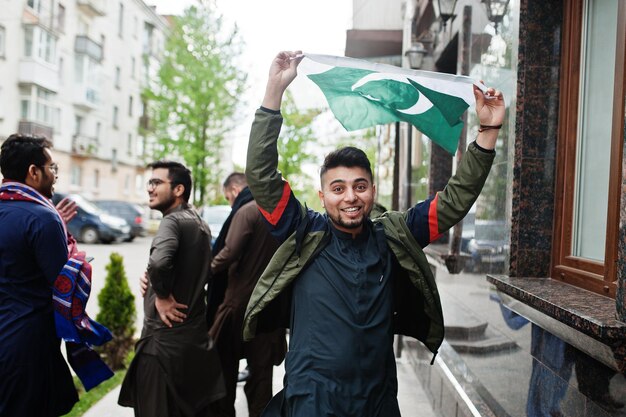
x=86 y=60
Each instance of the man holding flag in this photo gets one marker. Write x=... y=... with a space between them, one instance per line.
x=343 y=282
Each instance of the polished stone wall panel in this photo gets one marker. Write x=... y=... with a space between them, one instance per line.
x=536 y=129
x=620 y=299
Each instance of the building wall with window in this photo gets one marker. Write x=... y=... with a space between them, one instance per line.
x=73 y=71
x=536 y=318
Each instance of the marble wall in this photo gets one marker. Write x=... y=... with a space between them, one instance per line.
x=620 y=299
x=537 y=107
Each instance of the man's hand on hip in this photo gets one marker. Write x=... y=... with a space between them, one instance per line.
x=169 y=310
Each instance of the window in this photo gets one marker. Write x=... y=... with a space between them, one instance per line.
x=77 y=175
x=96 y=179
x=35 y=5
x=61 y=71
x=39 y=43
x=78 y=125
x=115 y=116
x=47 y=46
x=130 y=106
x=39 y=105
x=120 y=21
x=114 y=160
x=132 y=67
x=589 y=154
x=61 y=18
x=129 y=145
x=2 y=41
x=28 y=41
x=118 y=77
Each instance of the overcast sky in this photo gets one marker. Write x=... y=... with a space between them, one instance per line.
x=270 y=26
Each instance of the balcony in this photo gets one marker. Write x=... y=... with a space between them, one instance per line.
x=42 y=17
x=32 y=128
x=37 y=72
x=83 y=145
x=144 y=123
x=92 y=8
x=86 y=46
x=86 y=97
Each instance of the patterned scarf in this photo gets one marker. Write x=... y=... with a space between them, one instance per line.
x=70 y=295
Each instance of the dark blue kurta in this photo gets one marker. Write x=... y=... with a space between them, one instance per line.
x=35 y=381
x=340 y=360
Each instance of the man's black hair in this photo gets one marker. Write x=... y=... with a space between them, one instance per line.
x=235 y=178
x=177 y=174
x=348 y=157
x=19 y=152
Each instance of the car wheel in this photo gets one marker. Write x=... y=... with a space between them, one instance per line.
x=89 y=235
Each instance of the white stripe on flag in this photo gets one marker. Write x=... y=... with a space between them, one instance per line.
x=428 y=79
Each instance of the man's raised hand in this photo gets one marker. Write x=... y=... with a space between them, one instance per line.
x=283 y=71
x=67 y=209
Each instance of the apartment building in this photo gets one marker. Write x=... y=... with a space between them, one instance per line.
x=73 y=71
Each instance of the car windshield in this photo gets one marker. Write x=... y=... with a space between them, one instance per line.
x=85 y=204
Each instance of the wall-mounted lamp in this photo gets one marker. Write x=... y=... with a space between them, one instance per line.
x=496 y=9
x=415 y=55
x=446 y=11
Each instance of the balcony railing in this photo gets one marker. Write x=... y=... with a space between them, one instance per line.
x=34 y=71
x=32 y=128
x=83 y=145
x=86 y=96
x=92 y=8
x=144 y=122
x=89 y=47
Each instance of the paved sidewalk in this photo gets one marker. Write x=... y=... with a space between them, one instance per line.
x=411 y=396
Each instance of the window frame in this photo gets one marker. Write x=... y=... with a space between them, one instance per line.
x=599 y=277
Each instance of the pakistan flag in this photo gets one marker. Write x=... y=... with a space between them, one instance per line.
x=361 y=97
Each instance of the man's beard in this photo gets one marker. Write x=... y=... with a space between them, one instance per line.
x=354 y=224
x=164 y=205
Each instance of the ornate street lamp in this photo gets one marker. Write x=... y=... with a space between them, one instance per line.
x=446 y=11
x=415 y=55
x=496 y=9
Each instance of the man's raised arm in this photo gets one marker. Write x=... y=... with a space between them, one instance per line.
x=429 y=219
x=271 y=193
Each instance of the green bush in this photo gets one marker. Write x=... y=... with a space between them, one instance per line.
x=117 y=313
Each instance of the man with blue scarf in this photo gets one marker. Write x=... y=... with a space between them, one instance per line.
x=36 y=380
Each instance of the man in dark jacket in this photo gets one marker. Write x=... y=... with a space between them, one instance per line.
x=344 y=282
x=35 y=380
x=242 y=251
x=175 y=371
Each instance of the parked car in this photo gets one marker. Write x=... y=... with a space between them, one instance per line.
x=487 y=244
x=215 y=216
x=91 y=224
x=132 y=213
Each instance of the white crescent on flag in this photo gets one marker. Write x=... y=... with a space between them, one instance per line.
x=421 y=106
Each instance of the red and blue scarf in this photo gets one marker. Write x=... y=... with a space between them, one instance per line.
x=70 y=294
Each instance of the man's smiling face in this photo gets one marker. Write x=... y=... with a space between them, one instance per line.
x=348 y=196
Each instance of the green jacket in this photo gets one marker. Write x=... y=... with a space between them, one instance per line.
x=417 y=307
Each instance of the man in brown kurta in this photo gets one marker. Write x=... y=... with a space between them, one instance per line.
x=175 y=372
x=245 y=248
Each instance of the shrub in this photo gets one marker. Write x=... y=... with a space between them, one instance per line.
x=117 y=313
